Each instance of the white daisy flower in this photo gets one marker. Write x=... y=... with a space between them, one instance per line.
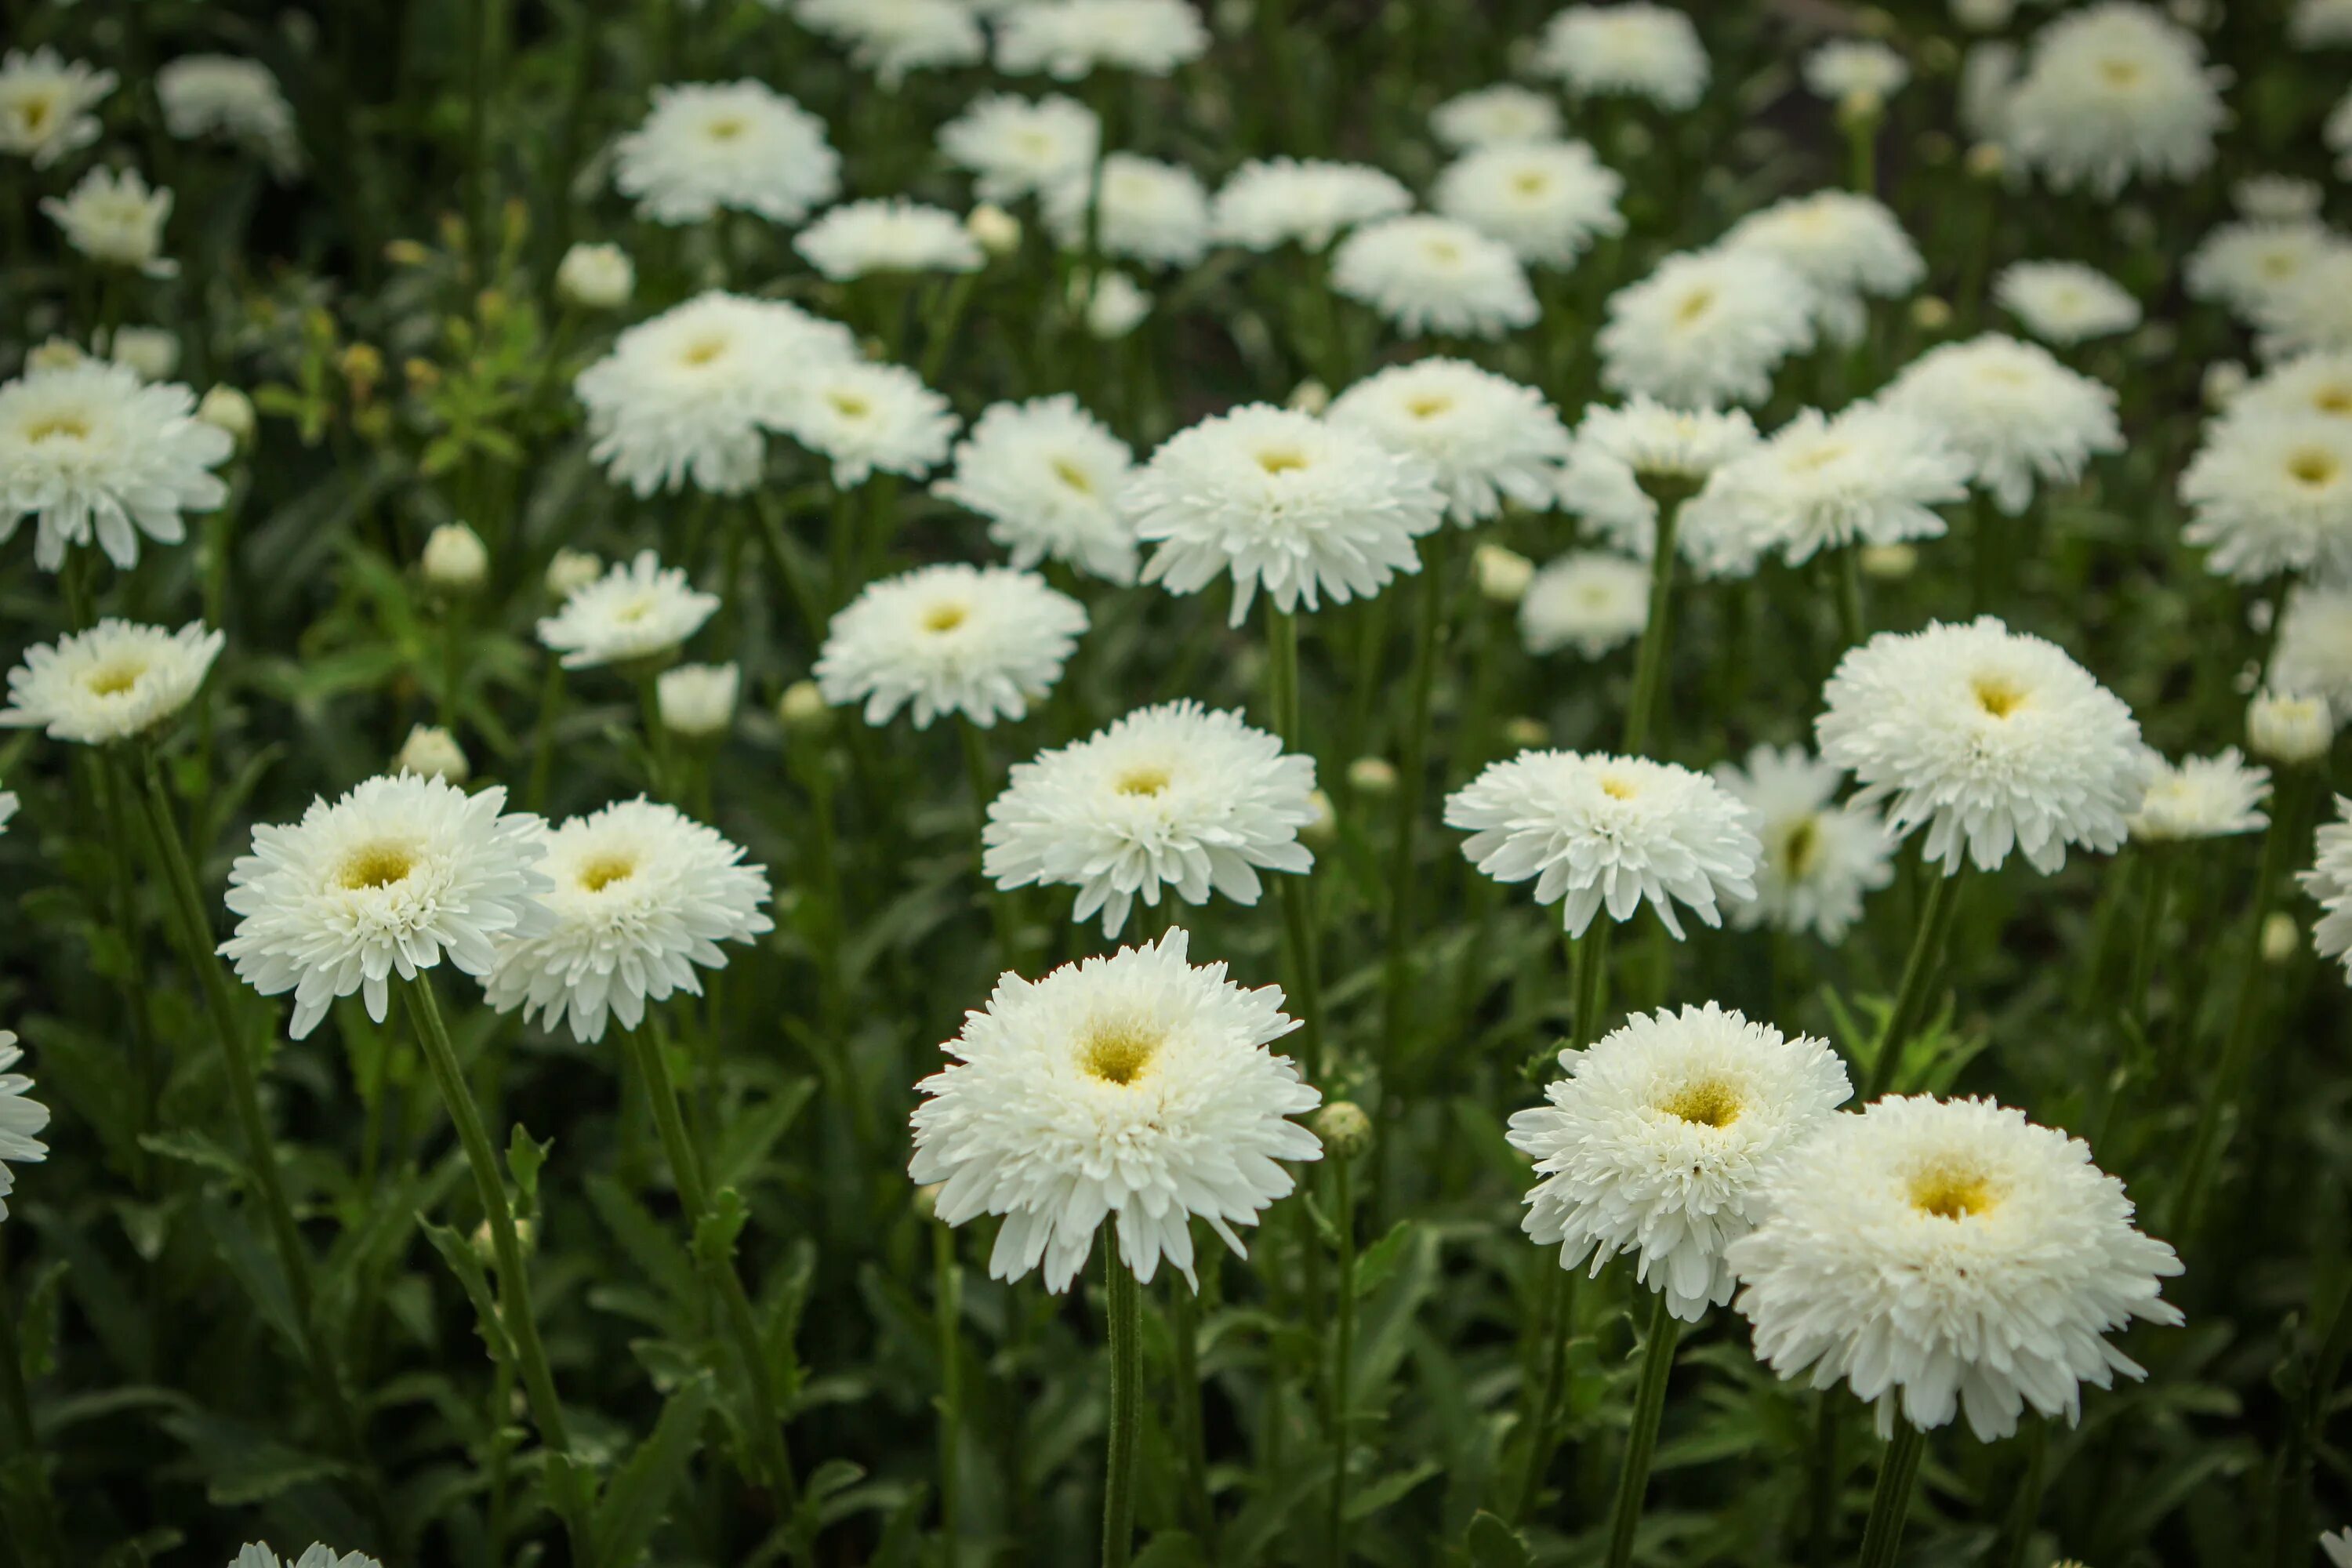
x=257 y=1555
x=2289 y=728
x=1548 y=200
x=1706 y=327
x=93 y=455
x=1487 y=438
x=1659 y=1142
x=116 y=219
x=887 y=234
x=862 y=415
x=1947 y=1256
x=1111 y=303
x=1071 y=39
x=1820 y=857
x=1018 y=146
x=637 y=611
x=891 y=37
x=2111 y=92
x=2317 y=384
x=1637 y=49
x=2319 y=23
x=697 y=702
x=2310 y=312
x=116 y=680
x=1178 y=796
x=237 y=99
x=2329 y=881
x=45 y=104
x=1989 y=738
x=1864 y=476
x=1587 y=599
x=1845 y=68
x=2271 y=491
x=1434 y=275
x=1046 y=474
x=2313 y=651
x=2064 y=302
x=21 y=1117
x=642 y=894
x=1494 y=117
x=1134 y=1087
x=1848 y=248
x=2277 y=198
x=2202 y=797
x=2240 y=266
x=708 y=146
x=399 y=874
x=1617 y=448
x=1268 y=203
x=1148 y=211
x=687 y=397
x=1283 y=501
x=2014 y=412
x=984 y=642
x=1600 y=832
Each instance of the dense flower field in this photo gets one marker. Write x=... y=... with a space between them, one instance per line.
x=940 y=783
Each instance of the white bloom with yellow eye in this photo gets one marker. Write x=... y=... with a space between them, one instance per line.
x=1046 y=474
x=982 y=642
x=116 y=680
x=708 y=147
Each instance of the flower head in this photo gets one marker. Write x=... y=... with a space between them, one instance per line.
x=45 y=104
x=2111 y=92
x=1706 y=327
x=709 y=146
x=1134 y=1087
x=257 y=1555
x=1019 y=146
x=642 y=895
x=1989 y=738
x=116 y=219
x=1146 y=210
x=1547 y=201
x=223 y=95
x=887 y=236
x=636 y=611
x=891 y=37
x=2244 y=266
x=1268 y=203
x=697 y=702
x=93 y=454
x=1864 y=476
x=2272 y=492
x=1847 y=247
x=1071 y=39
x=1618 y=449
x=2066 y=302
x=2202 y=797
x=1587 y=599
x=2313 y=654
x=2289 y=727
x=1434 y=275
x=984 y=642
x=1842 y=67
x=862 y=415
x=1046 y=474
x=1600 y=832
x=1942 y=1256
x=2014 y=412
x=1284 y=501
x=1487 y=438
x=1637 y=49
x=1820 y=857
x=21 y=1117
x=115 y=680
x=1660 y=1141
x=397 y=875
x=1494 y=117
x=1178 y=796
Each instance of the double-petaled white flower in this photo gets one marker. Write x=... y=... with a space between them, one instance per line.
x=116 y=680
x=2014 y=412
x=93 y=455
x=1047 y=474
x=708 y=146
x=984 y=642
x=1488 y=439
x=1820 y=857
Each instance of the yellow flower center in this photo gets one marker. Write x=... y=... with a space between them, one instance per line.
x=1695 y=303
x=36 y=114
x=1428 y=405
x=1529 y=183
x=1998 y=695
x=945 y=617
x=377 y=864
x=1710 y=1103
x=1815 y=458
x=1281 y=459
x=849 y=404
x=702 y=350
x=2312 y=467
x=1617 y=788
x=1147 y=780
x=116 y=675
x=2332 y=398
x=1951 y=1190
x=1070 y=474
x=2120 y=73
x=1118 y=1052
x=725 y=129
x=72 y=426
x=1801 y=847
x=603 y=871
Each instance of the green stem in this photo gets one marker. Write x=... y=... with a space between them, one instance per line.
x=1919 y=970
x=1185 y=1330
x=1642 y=1438
x=1650 y=664
x=2028 y=1505
x=1413 y=767
x=1302 y=960
x=981 y=779
x=661 y=779
x=1343 y=1354
x=947 y=1309
x=1988 y=542
x=1822 y=1484
x=542 y=743
x=1889 y=1505
x=1555 y=1322
x=1589 y=969
x=518 y=1317
x=1853 y=625
x=1126 y=1414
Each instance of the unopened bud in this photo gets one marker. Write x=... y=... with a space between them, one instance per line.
x=1311 y=397
x=570 y=571
x=1116 y=306
x=697 y=701
x=2224 y=379
x=1525 y=734
x=1324 y=826
x=455 y=560
x=56 y=353
x=1862 y=109
x=1373 y=776
x=1502 y=573
x=431 y=751
x=2289 y=727
x=406 y=253
x=2281 y=937
x=1986 y=160
x=927 y=1201
x=994 y=229
x=151 y=353
x=802 y=710
x=1888 y=563
x=1344 y=1127
x=363 y=366
x=595 y=277
x=227 y=408
x=1931 y=313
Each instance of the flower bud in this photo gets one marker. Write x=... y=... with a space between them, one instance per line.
x=927 y=1201
x=2289 y=728
x=1931 y=313
x=151 y=353
x=1344 y=1127
x=2281 y=937
x=1862 y=109
x=802 y=710
x=1526 y=734
x=227 y=408
x=1986 y=160
x=697 y=701
x=362 y=367
x=455 y=560
x=431 y=751
x=1116 y=307
x=406 y=253
x=1373 y=776
x=1324 y=826
x=994 y=229
x=595 y=277
x=56 y=353
x=570 y=571
x=1503 y=574
x=1888 y=563
x=485 y=1249
x=2224 y=379
x=1311 y=397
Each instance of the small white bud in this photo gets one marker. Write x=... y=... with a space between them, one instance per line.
x=1344 y=1127
x=697 y=701
x=570 y=571
x=1372 y=776
x=1502 y=573
x=56 y=353
x=1118 y=307
x=1525 y=734
x=595 y=277
x=2224 y=379
x=2287 y=727
x=994 y=229
x=1324 y=826
x=1311 y=397
x=455 y=560
x=1887 y=563
x=431 y=751
x=227 y=408
x=2281 y=937
x=149 y=352
x=802 y=710
x=1931 y=313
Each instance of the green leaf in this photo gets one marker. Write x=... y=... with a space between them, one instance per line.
x=240 y=1466
x=1380 y=1260
x=256 y=1268
x=1493 y=1544
x=195 y=1148
x=458 y=1253
x=525 y=1158
x=638 y=1499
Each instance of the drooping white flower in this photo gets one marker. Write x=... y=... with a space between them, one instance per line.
x=45 y=104
x=1136 y=1089
x=1494 y=117
x=1434 y=275
x=1046 y=474
x=862 y=416
x=2313 y=655
x=1989 y=738
x=1587 y=599
x=116 y=219
x=116 y=680
x=642 y=895
x=1847 y=247
x=1940 y=1257
x=1071 y=39
x=1864 y=476
x=93 y=455
x=893 y=234
x=1487 y=438
x=1636 y=50
x=1660 y=1141
x=1820 y=857
x=708 y=146
x=399 y=874
x=2066 y=302
x=2240 y=265
x=21 y=1116
x=984 y=642
x=2202 y=797
x=227 y=96
x=891 y=37
x=2013 y=411
x=1272 y=202
x=2272 y=492
x=1842 y=67
x=1598 y=832
x=1548 y=200
x=1706 y=327
x=1280 y=500
x=2111 y=92
x=1176 y=796
x=636 y=611
x=1019 y=146
x=1148 y=211
x=1617 y=448
x=687 y=396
